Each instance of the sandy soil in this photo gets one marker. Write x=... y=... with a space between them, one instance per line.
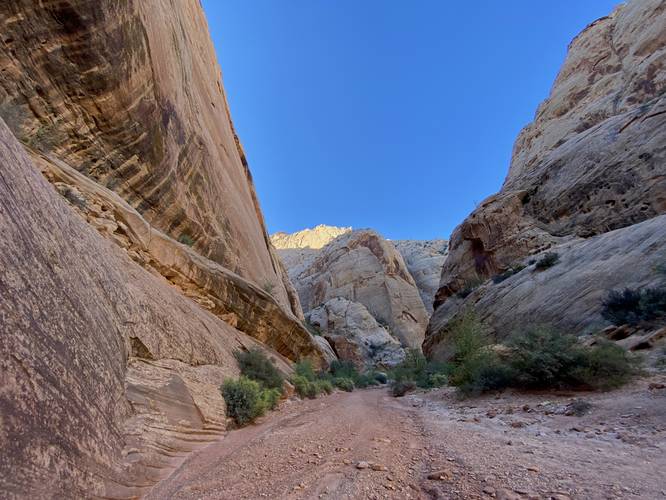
x=431 y=445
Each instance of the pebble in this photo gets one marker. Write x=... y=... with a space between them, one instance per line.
x=441 y=475
x=362 y=465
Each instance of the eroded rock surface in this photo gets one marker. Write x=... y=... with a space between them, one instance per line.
x=109 y=374
x=363 y=267
x=424 y=259
x=130 y=94
x=355 y=335
x=593 y=161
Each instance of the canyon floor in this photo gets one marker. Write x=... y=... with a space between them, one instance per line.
x=367 y=444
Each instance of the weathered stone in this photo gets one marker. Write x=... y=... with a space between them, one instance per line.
x=355 y=335
x=109 y=374
x=363 y=267
x=424 y=260
x=591 y=162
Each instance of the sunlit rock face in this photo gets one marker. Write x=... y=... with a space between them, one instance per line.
x=134 y=259
x=362 y=267
x=130 y=94
x=592 y=161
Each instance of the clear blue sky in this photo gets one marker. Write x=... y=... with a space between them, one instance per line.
x=395 y=115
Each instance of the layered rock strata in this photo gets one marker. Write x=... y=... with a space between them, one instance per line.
x=592 y=161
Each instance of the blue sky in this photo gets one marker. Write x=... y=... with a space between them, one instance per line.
x=395 y=115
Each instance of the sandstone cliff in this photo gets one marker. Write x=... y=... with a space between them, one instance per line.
x=130 y=277
x=358 y=290
x=109 y=375
x=593 y=161
x=131 y=96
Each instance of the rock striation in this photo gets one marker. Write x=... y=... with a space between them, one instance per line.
x=131 y=96
x=110 y=376
x=424 y=260
x=136 y=262
x=592 y=161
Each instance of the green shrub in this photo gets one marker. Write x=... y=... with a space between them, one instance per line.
x=508 y=273
x=271 y=397
x=481 y=372
x=324 y=386
x=633 y=306
x=344 y=384
x=401 y=387
x=545 y=358
x=246 y=400
x=423 y=373
x=547 y=261
x=255 y=365
x=305 y=388
x=304 y=369
x=186 y=239
x=381 y=377
x=606 y=366
x=343 y=369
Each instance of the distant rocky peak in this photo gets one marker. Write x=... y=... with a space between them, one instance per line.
x=314 y=238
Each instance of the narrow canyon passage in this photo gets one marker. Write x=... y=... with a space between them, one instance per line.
x=431 y=445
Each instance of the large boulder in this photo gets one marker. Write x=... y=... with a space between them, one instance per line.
x=592 y=161
x=355 y=335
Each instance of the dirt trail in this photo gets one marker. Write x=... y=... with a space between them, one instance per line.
x=506 y=447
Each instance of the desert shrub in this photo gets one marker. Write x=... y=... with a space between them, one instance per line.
x=381 y=377
x=605 y=366
x=547 y=261
x=271 y=397
x=304 y=387
x=631 y=306
x=421 y=372
x=246 y=399
x=324 y=386
x=544 y=358
x=344 y=384
x=186 y=239
x=469 y=286
x=364 y=380
x=508 y=273
x=480 y=372
x=401 y=387
x=255 y=365
x=305 y=369
x=343 y=369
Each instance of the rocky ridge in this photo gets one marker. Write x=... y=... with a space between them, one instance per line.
x=591 y=162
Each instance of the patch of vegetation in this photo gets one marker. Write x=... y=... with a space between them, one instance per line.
x=401 y=387
x=547 y=261
x=246 y=399
x=508 y=273
x=632 y=306
x=543 y=358
x=255 y=365
x=469 y=286
x=421 y=372
x=344 y=384
x=578 y=408
x=186 y=239
x=268 y=287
